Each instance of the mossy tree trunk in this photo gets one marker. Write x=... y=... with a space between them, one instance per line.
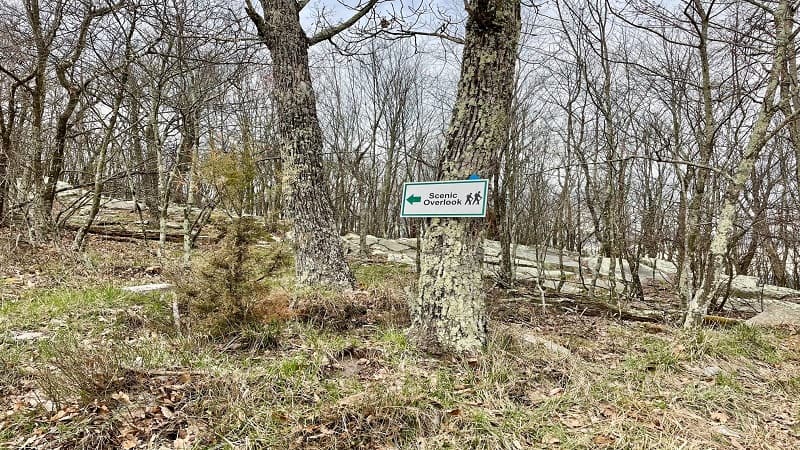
x=449 y=313
x=319 y=255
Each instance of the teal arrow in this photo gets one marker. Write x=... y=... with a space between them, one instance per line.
x=414 y=199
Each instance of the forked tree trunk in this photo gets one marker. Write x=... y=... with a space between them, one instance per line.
x=79 y=244
x=449 y=313
x=319 y=255
x=714 y=282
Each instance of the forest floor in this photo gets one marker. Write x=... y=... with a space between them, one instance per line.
x=85 y=365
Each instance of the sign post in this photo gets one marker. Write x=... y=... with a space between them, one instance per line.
x=459 y=198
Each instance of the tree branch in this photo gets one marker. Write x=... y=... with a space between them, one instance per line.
x=258 y=21
x=401 y=34
x=328 y=33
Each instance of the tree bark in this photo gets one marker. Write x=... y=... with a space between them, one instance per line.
x=449 y=313
x=3 y=183
x=319 y=255
x=79 y=244
x=6 y=128
x=712 y=285
x=690 y=270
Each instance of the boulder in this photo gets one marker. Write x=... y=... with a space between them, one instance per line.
x=548 y=345
x=123 y=205
x=408 y=242
x=351 y=238
x=411 y=253
x=527 y=273
x=400 y=258
x=749 y=287
x=777 y=313
x=392 y=246
x=660 y=265
x=491 y=248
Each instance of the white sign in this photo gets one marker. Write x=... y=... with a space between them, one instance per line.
x=461 y=198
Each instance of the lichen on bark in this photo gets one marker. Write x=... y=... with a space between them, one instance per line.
x=449 y=313
x=712 y=286
x=319 y=255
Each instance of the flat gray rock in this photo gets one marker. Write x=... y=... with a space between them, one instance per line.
x=531 y=262
x=776 y=313
x=28 y=336
x=124 y=205
x=660 y=265
x=146 y=288
x=400 y=258
x=392 y=246
x=549 y=345
x=409 y=242
x=749 y=287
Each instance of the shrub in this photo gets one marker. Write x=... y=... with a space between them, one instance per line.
x=228 y=292
x=90 y=371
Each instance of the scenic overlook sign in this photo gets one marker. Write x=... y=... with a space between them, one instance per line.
x=460 y=198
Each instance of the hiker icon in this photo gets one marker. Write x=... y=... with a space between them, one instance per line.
x=477 y=198
x=469 y=199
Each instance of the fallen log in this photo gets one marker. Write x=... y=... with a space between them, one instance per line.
x=152 y=235
x=710 y=319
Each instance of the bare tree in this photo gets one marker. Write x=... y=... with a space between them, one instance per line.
x=319 y=257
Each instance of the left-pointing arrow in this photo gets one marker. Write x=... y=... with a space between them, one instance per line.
x=414 y=199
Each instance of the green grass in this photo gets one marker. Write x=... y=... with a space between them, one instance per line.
x=369 y=387
x=87 y=308
x=657 y=355
x=376 y=275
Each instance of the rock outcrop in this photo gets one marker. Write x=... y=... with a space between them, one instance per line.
x=773 y=305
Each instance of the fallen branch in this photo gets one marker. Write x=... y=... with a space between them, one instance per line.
x=709 y=319
x=125 y=233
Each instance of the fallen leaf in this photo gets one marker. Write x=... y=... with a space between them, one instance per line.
x=554 y=392
x=122 y=398
x=608 y=411
x=719 y=416
x=166 y=412
x=602 y=439
x=572 y=422
x=725 y=431
x=551 y=440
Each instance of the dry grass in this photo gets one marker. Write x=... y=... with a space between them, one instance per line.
x=109 y=372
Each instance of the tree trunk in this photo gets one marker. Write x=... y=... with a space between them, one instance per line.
x=690 y=272
x=146 y=181
x=319 y=255
x=47 y=194
x=449 y=313
x=79 y=244
x=712 y=285
x=5 y=149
